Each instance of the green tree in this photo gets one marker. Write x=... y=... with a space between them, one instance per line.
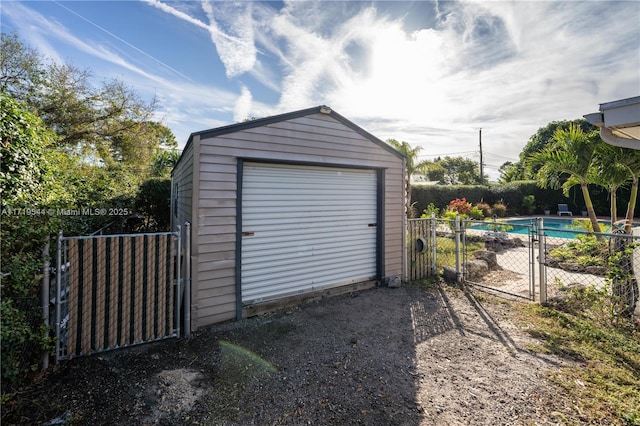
x=22 y=163
x=104 y=121
x=163 y=162
x=413 y=166
x=460 y=171
x=21 y=68
x=510 y=172
x=435 y=171
x=105 y=124
x=616 y=162
x=105 y=136
x=570 y=156
x=610 y=173
x=25 y=178
x=154 y=203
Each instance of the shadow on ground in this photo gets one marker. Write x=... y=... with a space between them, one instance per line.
x=406 y=356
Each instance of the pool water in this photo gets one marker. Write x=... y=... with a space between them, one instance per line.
x=554 y=227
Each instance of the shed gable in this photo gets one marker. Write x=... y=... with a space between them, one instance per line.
x=308 y=138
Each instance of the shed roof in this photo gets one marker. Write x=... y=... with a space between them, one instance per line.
x=323 y=109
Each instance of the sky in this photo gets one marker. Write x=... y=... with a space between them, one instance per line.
x=431 y=73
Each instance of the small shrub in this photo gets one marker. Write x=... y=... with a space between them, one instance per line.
x=588 y=245
x=450 y=215
x=486 y=209
x=562 y=253
x=498 y=225
x=529 y=203
x=621 y=279
x=499 y=209
x=589 y=261
x=476 y=213
x=153 y=201
x=585 y=250
x=460 y=205
x=431 y=209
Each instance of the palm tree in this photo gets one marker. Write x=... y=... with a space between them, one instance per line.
x=413 y=167
x=572 y=154
x=631 y=160
x=610 y=174
x=614 y=167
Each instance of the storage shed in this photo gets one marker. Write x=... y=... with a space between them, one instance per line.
x=284 y=207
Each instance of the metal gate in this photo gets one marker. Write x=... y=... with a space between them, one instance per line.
x=118 y=290
x=512 y=270
x=454 y=247
x=525 y=257
x=610 y=263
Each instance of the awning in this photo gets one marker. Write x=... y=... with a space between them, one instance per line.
x=619 y=122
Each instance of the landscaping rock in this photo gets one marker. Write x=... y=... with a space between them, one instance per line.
x=596 y=270
x=572 y=267
x=488 y=256
x=494 y=245
x=450 y=274
x=516 y=242
x=476 y=269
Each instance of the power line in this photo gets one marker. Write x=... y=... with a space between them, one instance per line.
x=501 y=156
x=123 y=41
x=481 y=168
x=446 y=154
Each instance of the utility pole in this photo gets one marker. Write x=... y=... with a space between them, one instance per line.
x=481 y=167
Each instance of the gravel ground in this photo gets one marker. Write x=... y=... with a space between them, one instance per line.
x=406 y=356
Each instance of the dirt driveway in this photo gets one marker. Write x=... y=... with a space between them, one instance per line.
x=407 y=356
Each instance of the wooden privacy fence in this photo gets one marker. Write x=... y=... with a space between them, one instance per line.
x=116 y=291
x=420 y=249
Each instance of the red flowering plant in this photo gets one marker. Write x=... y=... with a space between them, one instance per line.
x=460 y=206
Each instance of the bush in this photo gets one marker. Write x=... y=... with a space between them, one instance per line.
x=585 y=250
x=154 y=203
x=460 y=206
x=476 y=213
x=25 y=175
x=499 y=209
x=512 y=195
x=529 y=204
x=431 y=209
x=486 y=209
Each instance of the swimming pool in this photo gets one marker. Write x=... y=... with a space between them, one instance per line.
x=554 y=227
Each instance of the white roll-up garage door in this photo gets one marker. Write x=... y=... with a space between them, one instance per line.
x=305 y=228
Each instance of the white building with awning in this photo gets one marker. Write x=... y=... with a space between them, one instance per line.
x=619 y=122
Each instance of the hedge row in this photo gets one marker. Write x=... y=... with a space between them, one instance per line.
x=512 y=195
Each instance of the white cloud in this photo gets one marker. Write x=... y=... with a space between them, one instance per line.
x=183 y=105
x=177 y=13
x=231 y=29
x=242 y=108
x=508 y=67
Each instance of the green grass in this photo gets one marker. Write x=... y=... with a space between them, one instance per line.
x=603 y=381
x=446 y=254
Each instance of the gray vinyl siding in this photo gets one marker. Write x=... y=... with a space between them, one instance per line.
x=182 y=180
x=314 y=139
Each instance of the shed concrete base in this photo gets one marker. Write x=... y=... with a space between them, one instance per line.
x=300 y=299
